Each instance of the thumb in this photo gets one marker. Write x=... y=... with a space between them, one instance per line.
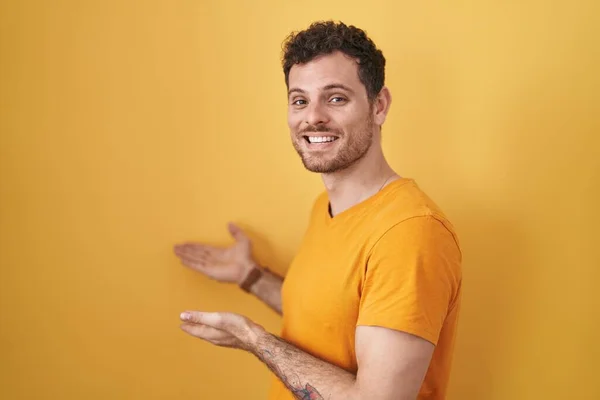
x=236 y=232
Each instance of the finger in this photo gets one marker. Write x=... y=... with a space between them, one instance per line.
x=201 y=318
x=205 y=332
x=201 y=265
x=236 y=232
x=210 y=334
x=197 y=266
x=194 y=250
x=203 y=255
x=184 y=245
x=220 y=320
x=196 y=256
x=191 y=249
x=194 y=260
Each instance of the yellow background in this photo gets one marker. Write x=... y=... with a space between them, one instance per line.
x=128 y=126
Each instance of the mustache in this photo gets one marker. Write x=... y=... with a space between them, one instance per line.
x=320 y=129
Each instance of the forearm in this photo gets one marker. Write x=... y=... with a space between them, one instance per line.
x=268 y=289
x=306 y=376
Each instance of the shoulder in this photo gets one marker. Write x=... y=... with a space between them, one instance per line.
x=407 y=211
x=419 y=234
x=420 y=254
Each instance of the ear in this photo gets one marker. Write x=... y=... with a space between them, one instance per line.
x=381 y=105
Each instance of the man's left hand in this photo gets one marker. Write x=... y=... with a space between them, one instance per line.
x=223 y=329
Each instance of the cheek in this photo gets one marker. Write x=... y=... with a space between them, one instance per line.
x=347 y=124
x=353 y=121
x=294 y=121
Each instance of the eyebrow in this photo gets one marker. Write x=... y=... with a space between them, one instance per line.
x=337 y=86
x=327 y=87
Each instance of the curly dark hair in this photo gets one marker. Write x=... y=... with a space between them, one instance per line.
x=325 y=37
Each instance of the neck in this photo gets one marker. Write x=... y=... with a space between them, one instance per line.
x=359 y=181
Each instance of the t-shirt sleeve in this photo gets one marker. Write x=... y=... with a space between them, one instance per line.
x=412 y=278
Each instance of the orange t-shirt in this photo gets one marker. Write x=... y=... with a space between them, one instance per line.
x=393 y=261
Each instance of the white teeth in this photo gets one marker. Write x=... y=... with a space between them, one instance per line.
x=321 y=139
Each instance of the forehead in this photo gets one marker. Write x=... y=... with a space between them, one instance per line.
x=325 y=70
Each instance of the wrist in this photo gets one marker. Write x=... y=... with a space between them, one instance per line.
x=252 y=274
x=256 y=336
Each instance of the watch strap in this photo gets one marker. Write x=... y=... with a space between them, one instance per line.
x=251 y=279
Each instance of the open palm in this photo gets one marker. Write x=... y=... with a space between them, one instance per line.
x=225 y=264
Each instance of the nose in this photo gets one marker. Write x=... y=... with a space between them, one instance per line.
x=316 y=114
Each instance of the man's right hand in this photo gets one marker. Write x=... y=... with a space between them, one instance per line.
x=224 y=264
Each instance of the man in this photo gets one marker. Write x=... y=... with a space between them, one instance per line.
x=370 y=303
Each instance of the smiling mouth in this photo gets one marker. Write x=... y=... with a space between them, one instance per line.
x=320 y=139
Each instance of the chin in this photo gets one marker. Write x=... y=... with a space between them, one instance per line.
x=323 y=167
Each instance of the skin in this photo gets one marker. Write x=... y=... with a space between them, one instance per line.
x=326 y=99
x=353 y=167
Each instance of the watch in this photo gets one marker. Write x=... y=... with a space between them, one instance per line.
x=251 y=279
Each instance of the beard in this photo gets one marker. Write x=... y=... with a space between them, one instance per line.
x=350 y=148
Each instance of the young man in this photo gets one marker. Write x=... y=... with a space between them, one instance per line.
x=370 y=303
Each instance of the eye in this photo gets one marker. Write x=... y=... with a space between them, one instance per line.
x=299 y=102
x=338 y=100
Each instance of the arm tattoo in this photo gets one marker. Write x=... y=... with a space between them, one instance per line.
x=308 y=393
